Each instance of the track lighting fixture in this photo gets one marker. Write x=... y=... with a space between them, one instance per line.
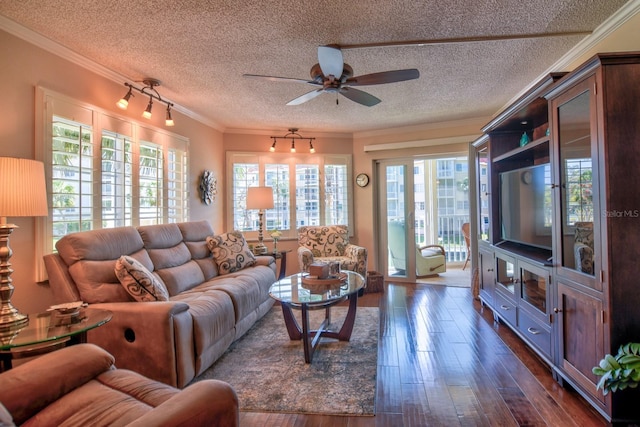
x=293 y=135
x=150 y=90
x=168 y=121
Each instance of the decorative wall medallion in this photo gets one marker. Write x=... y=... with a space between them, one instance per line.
x=208 y=187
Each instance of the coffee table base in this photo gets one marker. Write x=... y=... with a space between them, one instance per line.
x=311 y=338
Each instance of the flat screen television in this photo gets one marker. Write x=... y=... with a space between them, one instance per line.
x=525 y=206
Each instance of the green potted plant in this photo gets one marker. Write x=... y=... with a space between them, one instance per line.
x=621 y=371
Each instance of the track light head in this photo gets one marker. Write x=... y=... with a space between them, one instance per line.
x=293 y=146
x=147 y=112
x=311 y=149
x=273 y=146
x=124 y=101
x=168 y=120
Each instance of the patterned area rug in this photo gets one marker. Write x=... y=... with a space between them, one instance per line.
x=269 y=374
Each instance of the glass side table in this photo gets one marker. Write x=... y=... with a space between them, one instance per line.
x=48 y=331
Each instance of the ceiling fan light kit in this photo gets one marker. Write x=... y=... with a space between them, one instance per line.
x=150 y=90
x=332 y=75
x=293 y=135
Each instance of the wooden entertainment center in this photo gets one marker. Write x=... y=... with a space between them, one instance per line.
x=559 y=260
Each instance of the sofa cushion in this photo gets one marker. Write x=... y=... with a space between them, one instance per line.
x=230 y=252
x=98 y=245
x=139 y=282
x=194 y=235
x=325 y=241
x=91 y=257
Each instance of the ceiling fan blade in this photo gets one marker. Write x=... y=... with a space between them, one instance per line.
x=279 y=79
x=330 y=60
x=383 y=77
x=306 y=97
x=360 y=97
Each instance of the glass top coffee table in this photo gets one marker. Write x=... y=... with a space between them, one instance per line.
x=294 y=294
x=47 y=332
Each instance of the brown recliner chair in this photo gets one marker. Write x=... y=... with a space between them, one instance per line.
x=80 y=386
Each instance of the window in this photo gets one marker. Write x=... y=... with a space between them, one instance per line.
x=72 y=158
x=106 y=172
x=307 y=190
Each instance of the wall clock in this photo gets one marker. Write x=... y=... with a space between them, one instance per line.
x=362 y=180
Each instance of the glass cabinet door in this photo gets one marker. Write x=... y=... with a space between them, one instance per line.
x=506 y=273
x=482 y=169
x=533 y=287
x=577 y=148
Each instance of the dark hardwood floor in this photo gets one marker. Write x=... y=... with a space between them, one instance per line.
x=442 y=361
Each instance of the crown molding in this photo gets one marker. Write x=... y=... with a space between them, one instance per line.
x=57 y=49
x=466 y=139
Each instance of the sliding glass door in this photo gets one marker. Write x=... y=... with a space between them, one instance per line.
x=422 y=202
x=396 y=224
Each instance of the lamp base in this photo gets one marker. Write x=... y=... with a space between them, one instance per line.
x=10 y=318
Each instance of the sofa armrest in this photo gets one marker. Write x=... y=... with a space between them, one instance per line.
x=305 y=258
x=205 y=403
x=28 y=388
x=265 y=260
x=60 y=282
x=139 y=334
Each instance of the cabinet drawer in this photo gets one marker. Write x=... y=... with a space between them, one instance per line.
x=505 y=309
x=535 y=332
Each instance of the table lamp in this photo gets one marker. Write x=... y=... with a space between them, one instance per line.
x=22 y=193
x=260 y=198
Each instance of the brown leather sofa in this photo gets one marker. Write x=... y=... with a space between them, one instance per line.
x=170 y=341
x=80 y=386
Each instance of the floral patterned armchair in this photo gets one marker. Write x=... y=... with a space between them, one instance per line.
x=330 y=243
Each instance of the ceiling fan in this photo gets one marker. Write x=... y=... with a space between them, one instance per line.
x=332 y=75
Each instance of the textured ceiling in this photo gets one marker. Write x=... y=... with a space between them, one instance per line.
x=200 y=49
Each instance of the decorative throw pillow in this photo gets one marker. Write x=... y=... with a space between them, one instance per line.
x=231 y=252
x=141 y=284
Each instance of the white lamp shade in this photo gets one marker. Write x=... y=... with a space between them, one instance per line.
x=22 y=188
x=260 y=198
